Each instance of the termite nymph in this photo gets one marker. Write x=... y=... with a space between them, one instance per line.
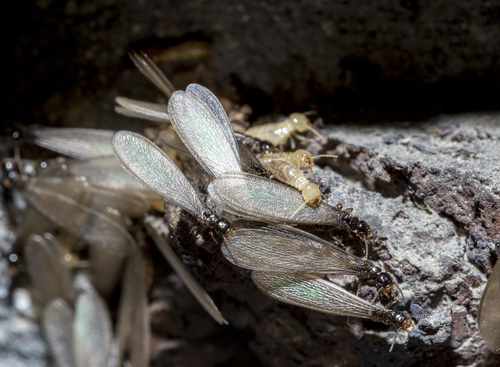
x=300 y=158
x=279 y=132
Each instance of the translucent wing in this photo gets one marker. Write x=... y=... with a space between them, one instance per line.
x=215 y=106
x=249 y=163
x=75 y=142
x=152 y=167
x=84 y=222
x=254 y=197
x=57 y=323
x=144 y=110
x=46 y=271
x=309 y=291
x=203 y=135
x=187 y=278
x=147 y=67
x=133 y=317
x=488 y=317
x=92 y=331
x=267 y=247
x=170 y=139
x=106 y=172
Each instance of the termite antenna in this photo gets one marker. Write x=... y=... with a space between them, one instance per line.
x=401 y=293
x=366 y=248
x=300 y=207
x=394 y=341
x=321 y=136
x=419 y=316
x=325 y=156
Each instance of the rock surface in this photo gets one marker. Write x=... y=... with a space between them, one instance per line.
x=429 y=192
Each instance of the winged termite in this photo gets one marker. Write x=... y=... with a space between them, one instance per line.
x=92 y=331
x=279 y=248
x=279 y=132
x=77 y=143
x=315 y=293
x=151 y=166
x=44 y=262
x=253 y=197
x=57 y=323
x=488 y=316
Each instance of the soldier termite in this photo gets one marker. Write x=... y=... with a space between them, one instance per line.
x=488 y=316
x=279 y=248
x=317 y=294
x=279 y=132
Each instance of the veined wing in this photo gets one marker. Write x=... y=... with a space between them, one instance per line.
x=143 y=110
x=92 y=331
x=97 y=229
x=171 y=140
x=254 y=197
x=315 y=293
x=268 y=247
x=215 y=106
x=203 y=135
x=187 y=278
x=154 y=169
x=76 y=142
x=57 y=323
x=147 y=67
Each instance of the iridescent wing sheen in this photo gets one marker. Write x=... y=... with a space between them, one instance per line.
x=57 y=324
x=202 y=133
x=154 y=169
x=147 y=67
x=257 y=198
x=268 y=247
x=94 y=227
x=143 y=110
x=215 y=106
x=76 y=142
x=488 y=316
x=92 y=331
x=315 y=293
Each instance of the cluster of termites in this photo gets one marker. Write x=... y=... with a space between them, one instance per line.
x=115 y=176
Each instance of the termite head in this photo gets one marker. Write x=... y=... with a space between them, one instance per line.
x=399 y=319
x=311 y=194
x=378 y=278
x=300 y=122
x=266 y=147
x=223 y=227
x=302 y=158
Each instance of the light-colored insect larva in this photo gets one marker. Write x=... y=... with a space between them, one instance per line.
x=300 y=158
x=291 y=175
x=315 y=293
x=488 y=316
x=278 y=133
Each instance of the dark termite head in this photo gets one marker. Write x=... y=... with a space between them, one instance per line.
x=358 y=227
x=373 y=275
x=266 y=147
x=400 y=319
x=221 y=226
